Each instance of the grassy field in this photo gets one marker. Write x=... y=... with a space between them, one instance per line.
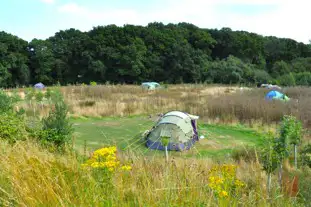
x=230 y=119
x=127 y=132
x=216 y=104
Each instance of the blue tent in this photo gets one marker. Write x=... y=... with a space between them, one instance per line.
x=271 y=95
x=39 y=86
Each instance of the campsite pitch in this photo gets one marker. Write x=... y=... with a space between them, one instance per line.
x=126 y=133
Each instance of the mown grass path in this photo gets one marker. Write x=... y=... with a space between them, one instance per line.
x=126 y=133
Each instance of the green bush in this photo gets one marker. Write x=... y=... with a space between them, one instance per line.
x=12 y=127
x=303 y=79
x=7 y=102
x=287 y=80
x=93 y=83
x=304 y=195
x=39 y=96
x=305 y=155
x=56 y=128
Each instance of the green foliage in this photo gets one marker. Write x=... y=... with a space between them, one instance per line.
x=14 y=67
x=261 y=76
x=12 y=124
x=305 y=155
x=39 y=96
x=12 y=127
x=287 y=80
x=174 y=53
x=281 y=148
x=93 y=83
x=303 y=79
x=56 y=127
x=268 y=156
x=304 y=195
x=280 y=68
x=165 y=140
x=48 y=94
x=247 y=154
x=291 y=130
x=7 y=102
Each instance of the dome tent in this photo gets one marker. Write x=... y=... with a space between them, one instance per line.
x=150 y=85
x=275 y=95
x=39 y=86
x=181 y=129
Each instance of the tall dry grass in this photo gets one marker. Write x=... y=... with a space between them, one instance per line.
x=31 y=176
x=217 y=104
x=212 y=103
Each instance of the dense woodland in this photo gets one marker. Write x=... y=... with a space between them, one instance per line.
x=172 y=53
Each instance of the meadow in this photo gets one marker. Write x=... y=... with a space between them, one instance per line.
x=223 y=169
x=214 y=104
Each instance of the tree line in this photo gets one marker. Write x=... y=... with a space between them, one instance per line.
x=172 y=53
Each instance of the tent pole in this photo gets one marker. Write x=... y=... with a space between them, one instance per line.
x=166 y=153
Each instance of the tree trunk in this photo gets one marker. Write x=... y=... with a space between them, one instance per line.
x=280 y=175
x=269 y=183
x=166 y=154
x=295 y=154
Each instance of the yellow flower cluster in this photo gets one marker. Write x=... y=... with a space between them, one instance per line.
x=126 y=167
x=105 y=158
x=222 y=180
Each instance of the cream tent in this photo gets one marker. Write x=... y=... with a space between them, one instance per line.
x=180 y=127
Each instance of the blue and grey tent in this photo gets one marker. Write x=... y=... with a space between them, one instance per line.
x=275 y=95
x=179 y=127
x=150 y=85
x=39 y=86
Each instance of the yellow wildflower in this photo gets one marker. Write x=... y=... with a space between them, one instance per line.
x=95 y=165
x=223 y=194
x=239 y=183
x=126 y=168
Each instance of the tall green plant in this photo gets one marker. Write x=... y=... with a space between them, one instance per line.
x=269 y=158
x=291 y=133
x=56 y=127
x=7 y=102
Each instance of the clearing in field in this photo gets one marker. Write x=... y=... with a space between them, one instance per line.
x=126 y=133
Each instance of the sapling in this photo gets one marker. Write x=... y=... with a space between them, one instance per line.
x=291 y=131
x=269 y=158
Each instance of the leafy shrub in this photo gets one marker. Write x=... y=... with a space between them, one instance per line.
x=7 y=102
x=48 y=94
x=287 y=80
x=30 y=94
x=56 y=128
x=305 y=155
x=303 y=79
x=12 y=127
x=93 y=83
x=39 y=96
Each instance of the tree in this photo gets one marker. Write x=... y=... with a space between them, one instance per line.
x=269 y=158
x=280 y=68
x=171 y=53
x=13 y=61
x=41 y=61
x=287 y=80
x=291 y=131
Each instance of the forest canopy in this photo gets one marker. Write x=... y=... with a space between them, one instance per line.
x=172 y=53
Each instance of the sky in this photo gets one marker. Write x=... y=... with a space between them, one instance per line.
x=41 y=19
